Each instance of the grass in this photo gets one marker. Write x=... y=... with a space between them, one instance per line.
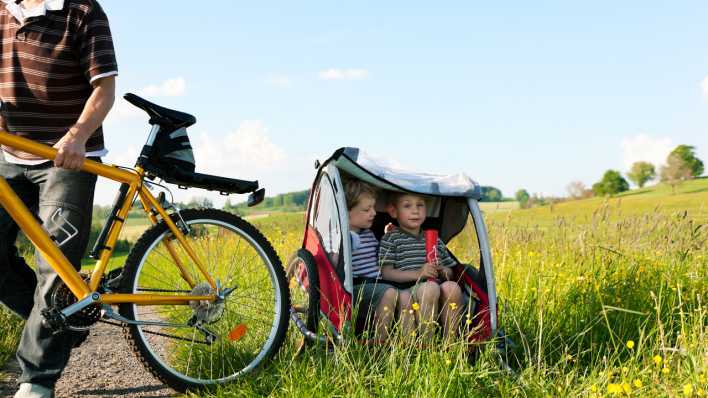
x=691 y=196
x=493 y=207
x=603 y=297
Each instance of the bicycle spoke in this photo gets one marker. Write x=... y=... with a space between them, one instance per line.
x=235 y=258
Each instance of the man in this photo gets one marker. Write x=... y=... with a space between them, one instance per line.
x=57 y=84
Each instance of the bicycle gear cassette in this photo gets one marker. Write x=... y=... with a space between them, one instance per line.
x=206 y=311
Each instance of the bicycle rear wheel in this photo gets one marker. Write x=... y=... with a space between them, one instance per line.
x=216 y=342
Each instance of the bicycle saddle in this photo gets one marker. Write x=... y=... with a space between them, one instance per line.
x=161 y=115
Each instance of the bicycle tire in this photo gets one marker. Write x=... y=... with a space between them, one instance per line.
x=163 y=352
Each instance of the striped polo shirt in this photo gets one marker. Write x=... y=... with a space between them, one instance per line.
x=364 y=254
x=405 y=251
x=47 y=66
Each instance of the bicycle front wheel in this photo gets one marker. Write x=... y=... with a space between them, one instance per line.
x=206 y=343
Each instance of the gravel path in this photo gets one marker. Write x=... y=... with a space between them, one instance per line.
x=102 y=367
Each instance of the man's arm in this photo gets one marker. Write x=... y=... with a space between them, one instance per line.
x=72 y=146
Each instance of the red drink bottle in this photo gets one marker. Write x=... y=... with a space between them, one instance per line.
x=431 y=248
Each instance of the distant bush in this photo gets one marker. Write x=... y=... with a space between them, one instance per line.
x=612 y=183
x=687 y=154
x=522 y=196
x=491 y=194
x=641 y=172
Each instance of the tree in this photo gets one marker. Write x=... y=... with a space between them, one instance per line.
x=230 y=207
x=522 y=196
x=641 y=172
x=675 y=171
x=576 y=190
x=688 y=155
x=612 y=183
x=491 y=194
x=198 y=202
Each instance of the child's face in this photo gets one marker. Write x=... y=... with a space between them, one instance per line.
x=410 y=212
x=362 y=215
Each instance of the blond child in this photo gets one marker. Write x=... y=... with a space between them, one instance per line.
x=428 y=290
x=375 y=299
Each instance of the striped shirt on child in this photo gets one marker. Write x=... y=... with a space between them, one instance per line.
x=364 y=255
x=404 y=251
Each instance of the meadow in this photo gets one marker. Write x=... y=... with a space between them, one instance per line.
x=603 y=297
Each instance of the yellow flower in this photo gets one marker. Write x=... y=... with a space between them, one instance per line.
x=657 y=360
x=625 y=369
x=688 y=390
x=626 y=388
x=630 y=344
x=638 y=383
x=385 y=308
x=702 y=378
x=453 y=306
x=593 y=388
x=468 y=322
x=415 y=306
x=447 y=361
x=665 y=370
x=614 y=389
x=700 y=392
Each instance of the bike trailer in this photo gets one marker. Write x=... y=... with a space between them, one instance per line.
x=320 y=273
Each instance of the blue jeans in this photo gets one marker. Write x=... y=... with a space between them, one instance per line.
x=44 y=188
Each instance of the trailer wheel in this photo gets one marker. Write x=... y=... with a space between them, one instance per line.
x=304 y=287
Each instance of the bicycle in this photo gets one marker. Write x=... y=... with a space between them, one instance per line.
x=202 y=295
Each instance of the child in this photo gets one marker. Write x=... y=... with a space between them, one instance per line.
x=372 y=296
x=402 y=257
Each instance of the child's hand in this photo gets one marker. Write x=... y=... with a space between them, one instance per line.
x=389 y=228
x=428 y=271
x=447 y=273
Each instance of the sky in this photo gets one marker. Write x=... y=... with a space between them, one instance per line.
x=515 y=94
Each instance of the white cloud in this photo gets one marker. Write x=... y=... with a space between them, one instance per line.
x=126 y=157
x=280 y=81
x=344 y=74
x=246 y=149
x=704 y=85
x=246 y=153
x=123 y=110
x=646 y=148
x=169 y=88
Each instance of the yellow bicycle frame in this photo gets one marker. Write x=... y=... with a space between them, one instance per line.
x=51 y=252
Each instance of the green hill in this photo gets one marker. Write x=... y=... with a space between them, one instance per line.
x=690 y=197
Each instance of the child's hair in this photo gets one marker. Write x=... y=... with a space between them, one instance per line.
x=353 y=191
x=394 y=196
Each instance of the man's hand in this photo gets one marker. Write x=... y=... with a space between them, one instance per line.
x=72 y=146
x=71 y=150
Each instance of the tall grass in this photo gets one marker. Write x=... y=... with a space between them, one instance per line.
x=601 y=300
x=603 y=304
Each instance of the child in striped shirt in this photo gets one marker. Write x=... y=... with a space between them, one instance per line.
x=375 y=301
x=430 y=293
